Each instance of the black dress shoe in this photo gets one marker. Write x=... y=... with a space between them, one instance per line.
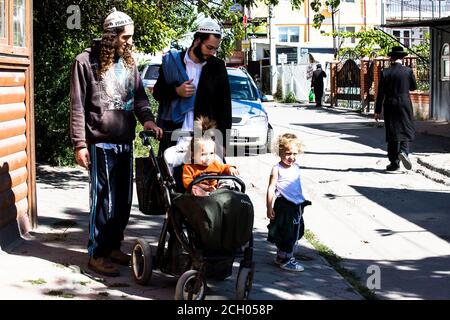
x=405 y=160
x=392 y=167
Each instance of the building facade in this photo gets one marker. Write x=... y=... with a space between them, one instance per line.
x=291 y=34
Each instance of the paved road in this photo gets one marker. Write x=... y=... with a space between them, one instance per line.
x=397 y=222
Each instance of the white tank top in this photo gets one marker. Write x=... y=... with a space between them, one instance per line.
x=289 y=184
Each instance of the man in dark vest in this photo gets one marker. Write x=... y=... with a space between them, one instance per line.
x=393 y=99
x=317 y=84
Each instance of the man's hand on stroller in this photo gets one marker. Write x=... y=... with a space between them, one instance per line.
x=150 y=125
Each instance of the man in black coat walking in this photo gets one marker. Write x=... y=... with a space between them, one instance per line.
x=393 y=99
x=317 y=84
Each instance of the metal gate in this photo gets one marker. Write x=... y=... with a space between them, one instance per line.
x=348 y=91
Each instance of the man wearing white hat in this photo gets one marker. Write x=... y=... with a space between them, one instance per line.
x=106 y=94
x=194 y=83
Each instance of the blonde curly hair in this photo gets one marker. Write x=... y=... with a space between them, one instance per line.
x=285 y=140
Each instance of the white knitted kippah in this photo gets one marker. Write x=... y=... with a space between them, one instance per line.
x=209 y=26
x=116 y=19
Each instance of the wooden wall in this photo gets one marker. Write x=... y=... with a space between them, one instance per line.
x=17 y=152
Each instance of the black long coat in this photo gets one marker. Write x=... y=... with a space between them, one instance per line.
x=393 y=98
x=213 y=97
x=317 y=82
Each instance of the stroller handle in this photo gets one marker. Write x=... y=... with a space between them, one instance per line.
x=216 y=177
x=146 y=135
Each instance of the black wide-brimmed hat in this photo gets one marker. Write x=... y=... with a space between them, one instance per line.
x=397 y=51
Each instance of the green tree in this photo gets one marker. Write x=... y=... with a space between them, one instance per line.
x=157 y=23
x=371 y=43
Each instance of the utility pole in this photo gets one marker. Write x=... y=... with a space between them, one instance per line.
x=333 y=30
x=272 y=52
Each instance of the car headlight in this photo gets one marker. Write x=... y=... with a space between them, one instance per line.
x=258 y=120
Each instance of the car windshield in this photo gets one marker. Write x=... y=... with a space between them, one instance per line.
x=241 y=88
x=152 y=72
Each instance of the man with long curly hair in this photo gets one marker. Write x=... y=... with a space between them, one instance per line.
x=106 y=95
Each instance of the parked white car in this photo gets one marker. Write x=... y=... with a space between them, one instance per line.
x=150 y=73
x=251 y=129
x=250 y=124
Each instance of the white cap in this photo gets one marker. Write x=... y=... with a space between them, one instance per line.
x=116 y=19
x=209 y=26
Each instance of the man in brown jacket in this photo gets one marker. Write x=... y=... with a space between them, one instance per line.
x=106 y=94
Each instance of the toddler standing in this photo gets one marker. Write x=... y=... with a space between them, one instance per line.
x=285 y=214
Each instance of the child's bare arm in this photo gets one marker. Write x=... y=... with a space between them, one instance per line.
x=271 y=192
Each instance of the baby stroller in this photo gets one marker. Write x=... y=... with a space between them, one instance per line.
x=200 y=236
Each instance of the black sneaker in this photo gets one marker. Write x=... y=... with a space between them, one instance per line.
x=392 y=167
x=405 y=160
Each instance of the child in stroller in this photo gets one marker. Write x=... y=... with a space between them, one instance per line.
x=202 y=231
x=204 y=161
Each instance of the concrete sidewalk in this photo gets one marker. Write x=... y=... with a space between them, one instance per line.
x=52 y=265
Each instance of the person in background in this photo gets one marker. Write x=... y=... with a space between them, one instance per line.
x=317 y=84
x=394 y=101
x=105 y=96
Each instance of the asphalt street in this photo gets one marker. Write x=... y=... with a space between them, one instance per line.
x=391 y=229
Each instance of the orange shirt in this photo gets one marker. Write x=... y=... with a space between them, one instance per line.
x=192 y=171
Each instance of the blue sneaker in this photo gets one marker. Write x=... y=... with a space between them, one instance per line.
x=292 y=265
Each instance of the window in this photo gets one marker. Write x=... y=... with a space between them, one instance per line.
x=406 y=38
x=396 y=33
x=348 y=29
x=19 y=19
x=445 y=62
x=403 y=36
x=283 y=34
x=2 y=19
x=288 y=34
x=241 y=88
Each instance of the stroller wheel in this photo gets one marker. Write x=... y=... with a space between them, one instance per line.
x=244 y=282
x=141 y=262
x=190 y=286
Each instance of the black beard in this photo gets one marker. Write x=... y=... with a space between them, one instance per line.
x=198 y=53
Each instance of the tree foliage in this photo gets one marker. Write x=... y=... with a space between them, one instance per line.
x=371 y=43
x=157 y=23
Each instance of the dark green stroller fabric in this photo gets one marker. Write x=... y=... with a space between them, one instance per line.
x=223 y=220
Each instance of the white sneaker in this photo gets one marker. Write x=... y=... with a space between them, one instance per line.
x=292 y=265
